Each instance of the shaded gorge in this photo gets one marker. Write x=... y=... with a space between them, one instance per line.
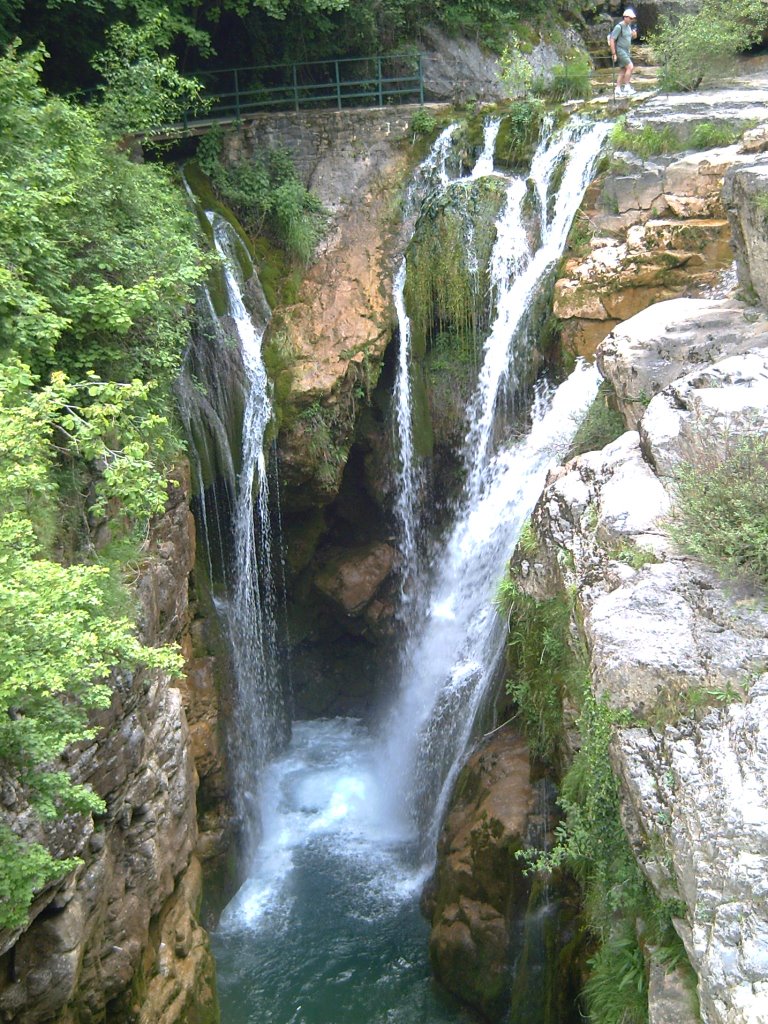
x=344 y=819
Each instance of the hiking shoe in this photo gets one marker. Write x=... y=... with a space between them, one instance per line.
x=629 y=91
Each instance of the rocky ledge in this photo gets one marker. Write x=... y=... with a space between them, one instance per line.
x=672 y=642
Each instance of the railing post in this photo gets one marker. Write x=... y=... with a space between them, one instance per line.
x=421 y=82
x=237 y=96
x=338 y=85
x=380 y=84
x=295 y=89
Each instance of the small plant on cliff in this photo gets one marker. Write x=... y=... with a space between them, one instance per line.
x=543 y=666
x=600 y=426
x=267 y=195
x=516 y=71
x=721 y=511
x=422 y=123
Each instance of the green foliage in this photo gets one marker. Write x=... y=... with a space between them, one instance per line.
x=542 y=662
x=59 y=638
x=649 y=141
x=422 y=123
x=701 y=46
x=516 y=71
x=98 y=261
x=519 y=133
x=709 y=136
x=444 y=292
x=98 y=257
x=600 y=426
x=634 y=556
x=569 y=81
x=721 y=511
x=143 y=91
x=489 y=21
x=616 y=991
x=267 y=195
x=761 y=202
x=24 y=869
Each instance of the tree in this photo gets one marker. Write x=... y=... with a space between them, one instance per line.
x=702 y=45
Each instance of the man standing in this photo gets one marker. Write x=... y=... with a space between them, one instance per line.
x=620 y=39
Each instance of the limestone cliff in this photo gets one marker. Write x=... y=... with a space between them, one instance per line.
x=678 y=647
x=676 y=651
x=119 y=937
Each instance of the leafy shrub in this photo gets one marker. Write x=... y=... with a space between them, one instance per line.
x=701 y=46
x=267 y=195
x=98 y=255
x=422 y=123
x=516 y=71
x=721 y=512
x=144 y=91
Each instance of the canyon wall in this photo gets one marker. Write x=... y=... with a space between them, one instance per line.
x=119 y=938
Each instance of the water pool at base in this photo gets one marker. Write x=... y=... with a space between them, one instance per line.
x=327 y=929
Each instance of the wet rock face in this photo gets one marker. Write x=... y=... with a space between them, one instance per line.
x=92 y=951
x=742 y=192
x=661 y=233
x=667 y=635
x=478 y=884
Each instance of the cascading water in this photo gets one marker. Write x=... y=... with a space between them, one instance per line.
x=452 y=660
x=248 y=608
x=327 y=930
x=430 y=179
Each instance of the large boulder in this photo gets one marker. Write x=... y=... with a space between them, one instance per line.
x=664 y=342
x=685 y=652
x=478 y=886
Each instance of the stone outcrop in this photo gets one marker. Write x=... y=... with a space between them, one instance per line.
x=478 y=885
x=658 y=225
x=745 y=196
x=670 y=636
x=120 y=935
x=670 y=339
x=660 y=232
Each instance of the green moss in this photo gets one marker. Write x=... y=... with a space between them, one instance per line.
x=518 y=135
x=600 y=426
x=442 y=291
x=423 y=434
x=279 y=359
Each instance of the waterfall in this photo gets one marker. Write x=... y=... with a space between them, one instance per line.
x=450 y=662
x=327 y=926
x=431 y=177
x=518 y=271
x=248 y=607
x=484 y=163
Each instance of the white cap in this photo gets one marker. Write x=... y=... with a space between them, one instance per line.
x=629 y=13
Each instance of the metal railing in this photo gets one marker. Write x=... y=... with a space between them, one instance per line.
x=338 y=84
